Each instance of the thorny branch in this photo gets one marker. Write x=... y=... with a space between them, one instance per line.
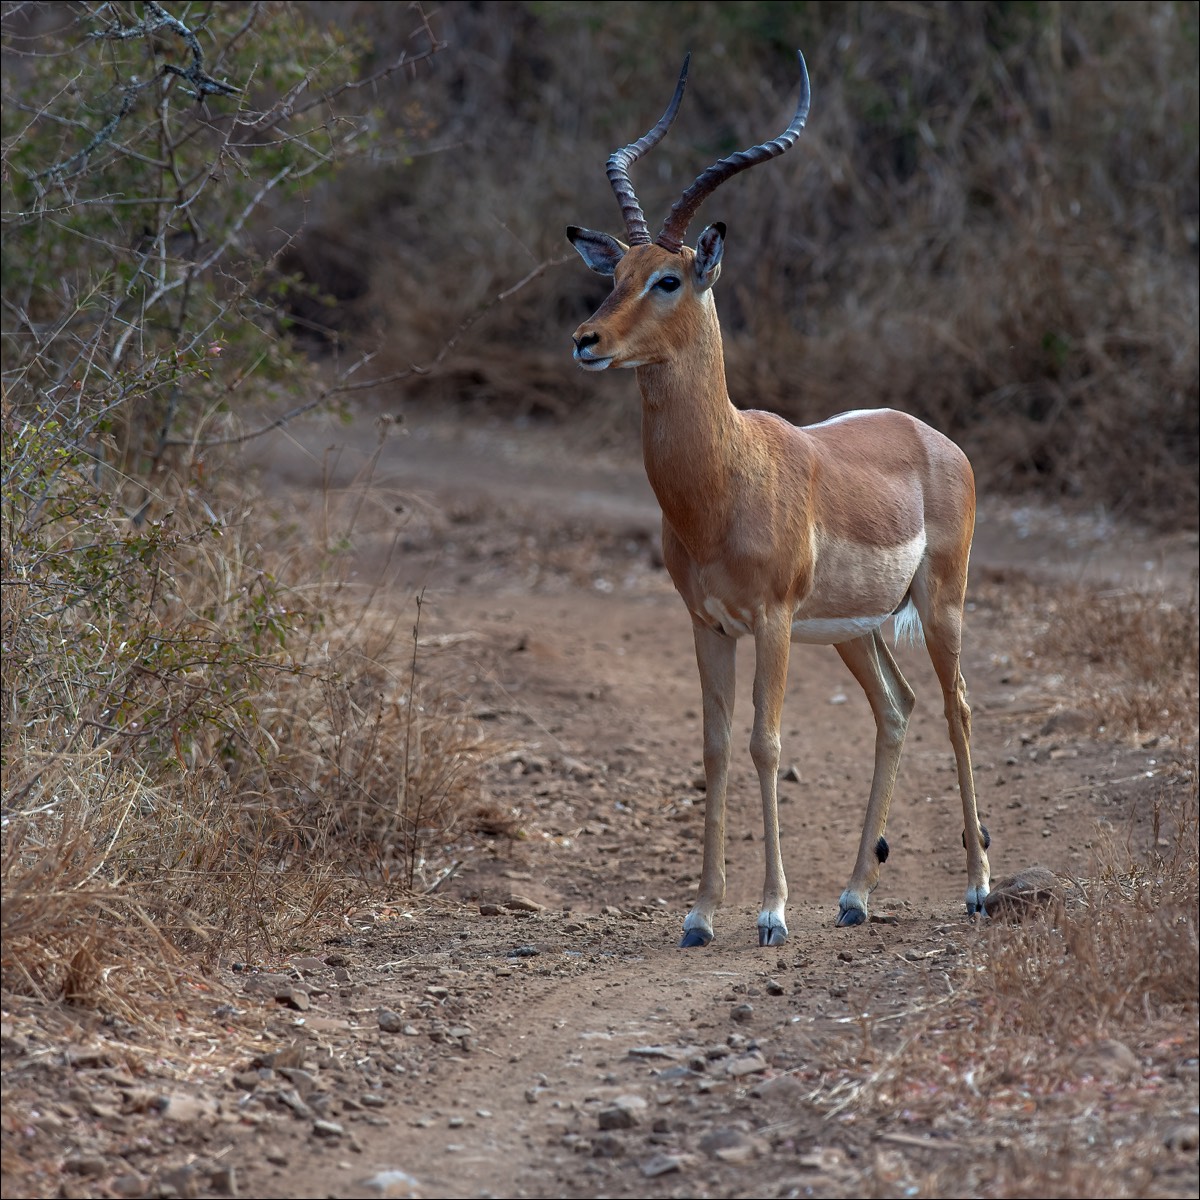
x=156 y=18
x=342 y=386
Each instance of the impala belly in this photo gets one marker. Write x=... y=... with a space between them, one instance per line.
x=855 y=588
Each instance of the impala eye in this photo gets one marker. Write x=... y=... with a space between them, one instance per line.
x=668 y=283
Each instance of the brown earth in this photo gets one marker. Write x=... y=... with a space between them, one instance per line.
x=544 y=1036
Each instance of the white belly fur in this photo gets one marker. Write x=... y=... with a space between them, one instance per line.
x=855 y=590
x=831 y=630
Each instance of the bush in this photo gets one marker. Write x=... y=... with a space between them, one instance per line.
x=185 y=730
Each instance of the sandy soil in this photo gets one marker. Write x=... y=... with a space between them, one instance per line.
x=530 y=1028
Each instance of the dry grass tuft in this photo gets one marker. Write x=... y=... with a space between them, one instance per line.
x=1134 y=657
x=1071 y=1035
x=275 y=742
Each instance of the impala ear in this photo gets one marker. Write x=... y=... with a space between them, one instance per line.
x=709 y=248
x=600 y=251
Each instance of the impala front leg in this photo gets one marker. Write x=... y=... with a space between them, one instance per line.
x=715 y=656
x=772 y=645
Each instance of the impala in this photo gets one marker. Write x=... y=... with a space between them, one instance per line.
x=814 y=534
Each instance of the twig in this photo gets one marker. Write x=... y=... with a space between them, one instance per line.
x=156 y=18
x=343 y=387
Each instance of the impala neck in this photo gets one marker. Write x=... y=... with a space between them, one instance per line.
x=690 y=429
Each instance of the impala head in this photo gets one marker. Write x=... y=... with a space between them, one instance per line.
x=662 y=290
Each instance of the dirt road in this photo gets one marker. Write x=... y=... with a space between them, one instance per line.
x=531 y=1029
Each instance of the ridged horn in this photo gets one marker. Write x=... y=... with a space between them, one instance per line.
x=675 y=226
x=620 y=161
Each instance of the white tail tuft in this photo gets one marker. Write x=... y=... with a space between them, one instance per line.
x=907 y=629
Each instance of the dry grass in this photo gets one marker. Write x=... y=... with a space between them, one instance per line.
x=1072 y=1036
x=233 y=793
x=1133 y=656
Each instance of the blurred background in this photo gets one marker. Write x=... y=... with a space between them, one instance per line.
x=990 y=221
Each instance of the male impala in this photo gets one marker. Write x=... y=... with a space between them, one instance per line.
x=814 y=534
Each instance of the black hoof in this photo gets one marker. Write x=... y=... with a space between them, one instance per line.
x=694 y=937
x=851 y=916
x=772 y=935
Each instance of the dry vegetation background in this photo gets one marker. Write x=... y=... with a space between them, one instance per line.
x=991 y=222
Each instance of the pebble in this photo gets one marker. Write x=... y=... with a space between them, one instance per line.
x=390 y=1022
x=327 y=1129
x=745 y=1064
x=662 y=1164
x=393 y=1183
x=623 y=1113
x=130 y=1184
x=742 y=1012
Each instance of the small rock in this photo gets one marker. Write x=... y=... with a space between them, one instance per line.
x=662 y=1164
x=745 y=1064
x=790 y=774
x=390 y=1022
x=180 y=1181
x=223 y=1178
x=524 y=952
x=1030 y=890
x=327 y=1129
x=729 y=1145
x=290 y=1098
x=624 y=1113
x=489 y=910
x=393 y=1183
x=90 y=1165
x=523 y=904
x=277 y=987
x=742 y=1012
x=774 y=987
x=130 y=1185
x=305 y=1082
x=372 y=1100
x=178 y=1106
x=607 y=1146
x=669 y=1052
x=786 y=1087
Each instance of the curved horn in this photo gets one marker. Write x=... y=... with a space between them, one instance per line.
x=620 y=161
x=675 y=226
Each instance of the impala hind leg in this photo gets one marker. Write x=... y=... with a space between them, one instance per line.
x=715 y=656
x=891 y=701
x=943 y=638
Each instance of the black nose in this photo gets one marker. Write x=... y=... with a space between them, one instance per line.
x=588 y=339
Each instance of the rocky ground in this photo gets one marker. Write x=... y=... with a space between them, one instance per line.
x=529 y=1027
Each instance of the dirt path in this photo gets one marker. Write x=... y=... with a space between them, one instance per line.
x=546 y=1037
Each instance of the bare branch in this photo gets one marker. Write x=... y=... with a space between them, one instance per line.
x=342 y=387
x=156 y=18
